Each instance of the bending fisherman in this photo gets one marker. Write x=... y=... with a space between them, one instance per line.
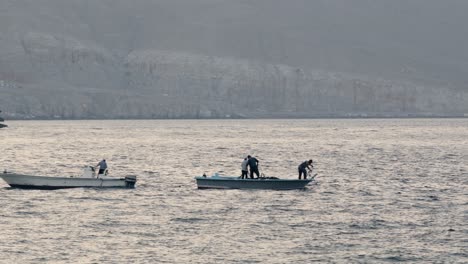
x=102 y=166
x=302 y=168
x=253 y=164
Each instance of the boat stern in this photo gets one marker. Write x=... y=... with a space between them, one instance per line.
x=130 y=181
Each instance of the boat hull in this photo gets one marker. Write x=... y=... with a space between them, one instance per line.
x=261 y=183
x=52 y=183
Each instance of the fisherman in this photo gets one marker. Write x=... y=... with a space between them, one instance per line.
x=244 y=168
x=102 y=166
x=302 y=168
x=253 y=164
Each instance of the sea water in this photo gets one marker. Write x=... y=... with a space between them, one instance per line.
x=387 y=190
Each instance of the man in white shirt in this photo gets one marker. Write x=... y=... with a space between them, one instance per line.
x=244 y=168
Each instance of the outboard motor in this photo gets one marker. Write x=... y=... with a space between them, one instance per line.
x=130 y=181
x=89 y=172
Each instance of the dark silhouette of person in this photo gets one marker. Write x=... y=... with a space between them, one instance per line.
x=253 y=165
x=303 y=166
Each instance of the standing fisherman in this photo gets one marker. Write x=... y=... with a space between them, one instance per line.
x=244 y=168
x=302 y=168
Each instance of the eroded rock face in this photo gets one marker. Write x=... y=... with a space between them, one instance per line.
x=101 y=59
x=89 y=82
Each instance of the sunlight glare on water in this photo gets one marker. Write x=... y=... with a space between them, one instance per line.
x=387 y=190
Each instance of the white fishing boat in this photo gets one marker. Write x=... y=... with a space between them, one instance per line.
x=89 y=179
x=267 y=183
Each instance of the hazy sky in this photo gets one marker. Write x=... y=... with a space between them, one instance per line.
x=424 y=40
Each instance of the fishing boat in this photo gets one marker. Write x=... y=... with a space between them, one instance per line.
x=267 y=183
x=2 y=120
x=89 y=179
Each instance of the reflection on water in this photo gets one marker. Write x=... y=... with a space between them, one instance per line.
x=388 y=191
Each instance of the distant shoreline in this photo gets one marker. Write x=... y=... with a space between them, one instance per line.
x=250 y=118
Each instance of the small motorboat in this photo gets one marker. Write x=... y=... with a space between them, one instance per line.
x=89 y=179
x=267 y=183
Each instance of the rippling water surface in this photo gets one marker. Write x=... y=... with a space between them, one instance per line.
x=386 y=191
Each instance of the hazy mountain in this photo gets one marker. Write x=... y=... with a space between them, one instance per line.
x=217 y=58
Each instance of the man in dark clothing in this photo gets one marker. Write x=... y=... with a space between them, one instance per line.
x=253 y=164
x=302 y=168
